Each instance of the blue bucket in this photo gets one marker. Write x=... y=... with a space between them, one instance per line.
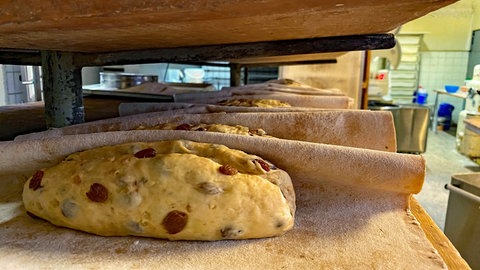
x=445 y=115
x=445 y=109
x=421 y=98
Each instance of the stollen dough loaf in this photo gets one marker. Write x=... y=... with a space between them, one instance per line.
x=220 y=128
x=178 y=190
x=264 y=103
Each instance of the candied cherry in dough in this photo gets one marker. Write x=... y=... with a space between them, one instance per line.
x=228 y=169
x=263 y=164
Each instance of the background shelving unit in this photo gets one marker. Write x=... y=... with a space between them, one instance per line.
x=404 y=79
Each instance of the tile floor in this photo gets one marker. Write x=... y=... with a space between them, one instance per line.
x=442 y=161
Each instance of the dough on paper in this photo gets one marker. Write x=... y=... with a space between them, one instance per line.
x=178 y=190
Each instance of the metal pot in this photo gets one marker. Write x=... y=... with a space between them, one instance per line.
x=120 y=80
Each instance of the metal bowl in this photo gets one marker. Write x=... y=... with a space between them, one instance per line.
x=121 y=80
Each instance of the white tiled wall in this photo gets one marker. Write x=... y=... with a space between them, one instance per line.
x=440 y=68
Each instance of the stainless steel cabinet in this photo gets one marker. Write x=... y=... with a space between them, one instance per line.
x=411 y=126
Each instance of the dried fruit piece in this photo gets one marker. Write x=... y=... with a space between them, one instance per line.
x=77 y=180
x=263 y=164
x=175 y=221
x=134 y=227
x=97 y=193
x=209 y=188
x=258 y=132
x=36 y=181
x=228 y=170
x=69 y=209
x=146 y=153
x=279 y=224
x=183 y=127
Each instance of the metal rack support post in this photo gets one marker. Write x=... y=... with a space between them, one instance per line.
x=62 y=89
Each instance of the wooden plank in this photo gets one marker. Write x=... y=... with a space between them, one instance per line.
x=474 y=122
x=111 y=25
x=438 y=239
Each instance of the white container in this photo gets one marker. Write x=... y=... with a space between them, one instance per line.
x=476 y=73
x=409 y=58
x=475 y=84
x=407 y=66
x=409 y=49
x=409 y=84
x=403 y=75
x=409 y=40
x=194 y=75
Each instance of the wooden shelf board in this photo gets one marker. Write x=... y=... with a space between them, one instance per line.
x=105 y=26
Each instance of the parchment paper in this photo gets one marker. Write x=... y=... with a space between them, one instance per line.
x=355 y=128
x=352 y=213
x=337 y=227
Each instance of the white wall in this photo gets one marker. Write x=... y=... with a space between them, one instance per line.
x=476 y=15
x=446 y=44
x=446 y=29
x=439 y=68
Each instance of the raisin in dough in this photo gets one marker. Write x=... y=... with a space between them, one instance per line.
x=178 y=190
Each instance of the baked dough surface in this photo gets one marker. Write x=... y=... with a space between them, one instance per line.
x=220 y=128
x=264 y=103
x=178 y=190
